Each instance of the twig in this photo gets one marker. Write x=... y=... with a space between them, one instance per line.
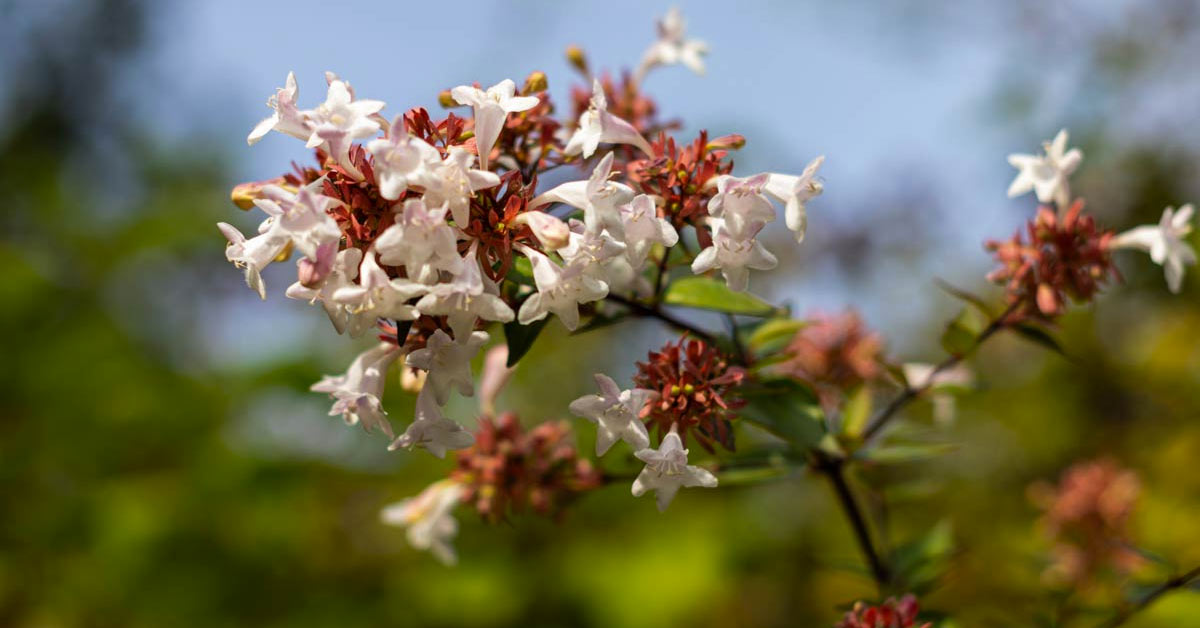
x=1178 y=582
x=833 y=469
x=654 y=312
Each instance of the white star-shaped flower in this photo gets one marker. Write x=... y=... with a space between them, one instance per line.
x=254 y=254
x=795 y=192
x=341 y=119
x=615 y=413
x=465 y=299
x=454 y=181
x=672 y=47
x=560 y=290
x=734 y=256
x=1046 y=175
x=304 y=216
x=286 y=118
x=491 y=109
x=428 y=518
x=378 y=296
x=643 y=229
x=421 y=242
x=597 y=125
x=432 y=431
x=1165 y=242
x=400 y=160
x=448 y=362
x=342 y=275
x=667 y=471
x=598 y=197
x=358 y=393
x=741 y=204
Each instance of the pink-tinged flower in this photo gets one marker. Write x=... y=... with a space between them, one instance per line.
x=734 y=256
x=597 y=125
x=667 y=470
x=421 y=242
x=560 y=290
x=303 y=216
x=432 y=431
x=465 y=299
x=672 y=47
x=453 y=181
x=254 y=254
x=377 y=296
x=1046 y=175
x=428 y=519
x=1165 y=242
x=340 y=120
x=358 y=393
x=615 y=413
x=551 y=233
x=342 y=274
x=448 y=363
x=287 y=118
x=491 y=109
x=795 y=192
x=598 y=197
x=400 y=159
x=590 y=250
x=890 y=614
x=741 y=205
x=643 y=229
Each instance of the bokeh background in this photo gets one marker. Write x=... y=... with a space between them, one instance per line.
x=162 y=463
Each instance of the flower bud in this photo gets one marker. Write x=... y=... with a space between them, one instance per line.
x=244 y=194
x=577 y=59
x=534 y=83
x=732 y=141
x=446 y=100
x=551 y=232
x=312 y=273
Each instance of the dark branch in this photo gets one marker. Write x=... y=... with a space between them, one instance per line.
x=1178 y=582
x=654 y=312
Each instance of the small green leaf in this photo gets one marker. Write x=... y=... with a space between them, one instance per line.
x=1039 y=336
x=856 y=412
x=709 y=294
x=787 y=409
x=921 y=562
x=962 y=333
x=968 y=297
x=773 y=333
x=521 y=272
x=520 y=338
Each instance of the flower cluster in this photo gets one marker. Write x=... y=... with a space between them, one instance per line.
x=834 y=354
x=890 y=614
x=694 y=382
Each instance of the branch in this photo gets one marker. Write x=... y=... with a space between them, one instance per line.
x=1178 y=582
x=833 y=469
x=654 y=312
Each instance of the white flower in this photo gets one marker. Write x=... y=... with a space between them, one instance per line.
x=588 y=249
x=795 y=192
x=740 y=203
x=615 y=413
x=303 y=216
x=550 y=232
x=733 y=256
x=667 y=471
x=672 y=48
x=465 y=299
x=342 y=275
x=1165 y=242
x=491 y=110
x=428 y=519
x=1046 y=175
x=255 y=253
x=598 y=197
x=644 y=229
x=400 y=159
x=431 y=430
x=287 y=118
x=597 y=125
x=454 y=181
x=340 y=120
x=358 y=393
x=448 y=363
x=560 y=290
x=378 y=296
x=421 y=242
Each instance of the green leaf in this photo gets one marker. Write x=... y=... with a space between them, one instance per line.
x=709 y=294
x=773 y=333
x=962 y=333
x=856 y=412
x=1039 y=336
x=521 y=272
x=520 y=338
x=968 y=297
x=787 y=409
x=921 y=562
x=910 y=452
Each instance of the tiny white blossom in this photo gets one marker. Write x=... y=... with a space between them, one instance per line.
x=432 y=431
x=378 y=296
x=431 y=526
x=400 y=159
x=588 y=249
x=303 y=216
x=672 y=47
x=643 y=229
x=340 y=120
x=421 y=242
x=465 y=299
x=1046 y=175
x=491 y=109
x=358 y=393
x=597 y=125
x=667 y=470
x=615 y=413
x=287 y=117
x=598 y=197
x=734 y=256
x=254 y=254
x=741 y=204
x=342 y=275
x=560 y=290
x=453 y=181
x=795 y=192
x=448 y=362
x=1165 y=242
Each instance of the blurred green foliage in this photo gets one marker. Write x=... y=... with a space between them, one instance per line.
x=145 y=482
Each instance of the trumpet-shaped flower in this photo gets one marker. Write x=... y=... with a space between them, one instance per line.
x=303 y=216
x=560 y=290
x=428 y=518
x=667 y=470
x=795 y=192
x=287 y=117
x=448 y=363
x=358 y=393
x=400 y=159
x=342 y=274
x=598 y=197
x=741 y=204
x=378 y=296
x=1046 y=175
x=421 y=242
x=734 y=256
x=597 y=125
x=465 y=299
x=254 y=254
x=615 y=413
x=340 y=120
x=432 y=431
x=453 y=181
x=672 y=47
x=643 y=229
x=589 y=250
x=1165 y=242
x=491 y=109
